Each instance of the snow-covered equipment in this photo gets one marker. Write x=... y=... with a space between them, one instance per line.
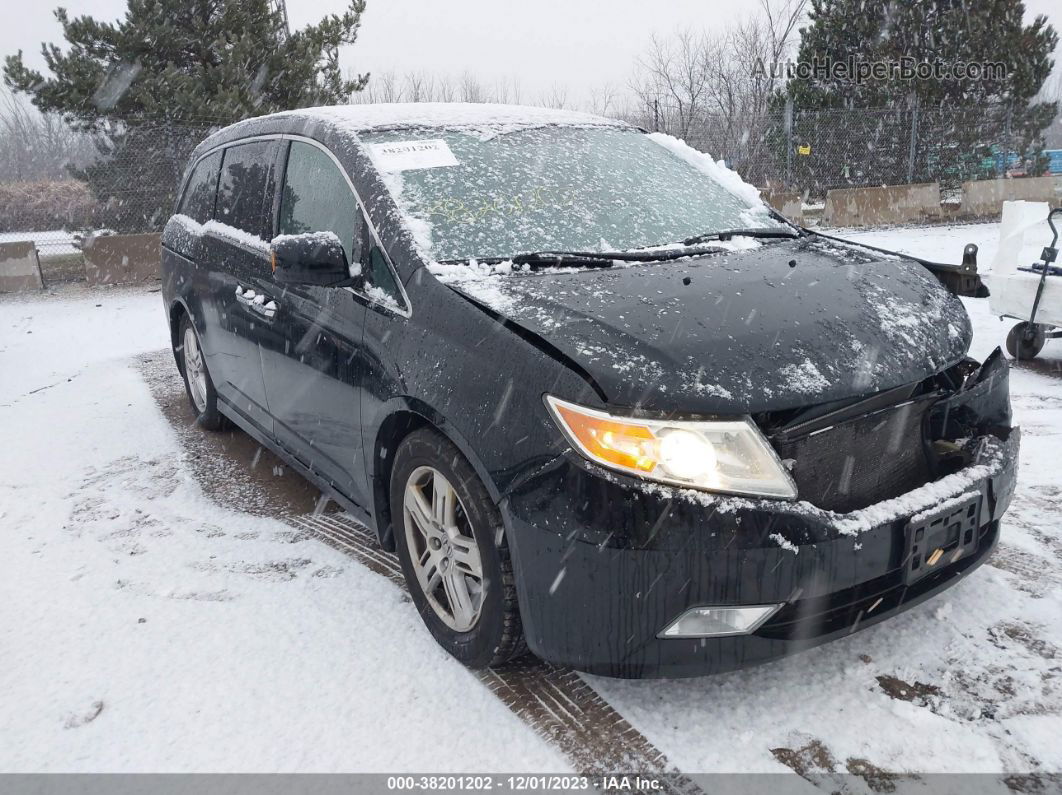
x=1027 y=287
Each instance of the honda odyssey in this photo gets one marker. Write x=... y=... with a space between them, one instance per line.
x=603 y=403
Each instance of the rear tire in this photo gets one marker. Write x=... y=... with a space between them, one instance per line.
x=197 y=381
x=451 y=543
x=1026 y=340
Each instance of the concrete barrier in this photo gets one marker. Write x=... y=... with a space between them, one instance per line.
x=118 y=259
x=890 y=204
x=985 y=197
x=787 y=203
x=20 y=267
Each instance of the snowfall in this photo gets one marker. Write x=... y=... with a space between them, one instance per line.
x=151 y=624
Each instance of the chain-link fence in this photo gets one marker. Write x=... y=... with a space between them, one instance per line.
x=116 y=180
x=123 y=178
x=813 y=151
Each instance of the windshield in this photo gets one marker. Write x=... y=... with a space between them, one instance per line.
x=550 y=189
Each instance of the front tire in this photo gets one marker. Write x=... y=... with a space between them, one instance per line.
x=451 y=544
x=197 y=381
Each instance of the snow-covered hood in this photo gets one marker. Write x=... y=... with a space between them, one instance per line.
x=779 y=326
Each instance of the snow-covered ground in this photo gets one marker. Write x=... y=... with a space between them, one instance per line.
x=144 y=625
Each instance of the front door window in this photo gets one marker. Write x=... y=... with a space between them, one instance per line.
x=316 y=198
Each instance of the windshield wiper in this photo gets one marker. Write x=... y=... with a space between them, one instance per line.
x=726 y=234
x=598 y=259
x=566 y=259
x=585 y=259
x=604 y=259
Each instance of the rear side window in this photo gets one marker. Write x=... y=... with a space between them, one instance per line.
x=317 y=198
x=198 y=200
x=245 y=195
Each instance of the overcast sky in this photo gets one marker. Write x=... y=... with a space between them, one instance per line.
x=578 y=44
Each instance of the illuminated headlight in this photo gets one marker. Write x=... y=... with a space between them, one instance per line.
x=728 y=456
x=708 y=622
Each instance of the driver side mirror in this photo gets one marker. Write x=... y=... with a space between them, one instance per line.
x=311 y=258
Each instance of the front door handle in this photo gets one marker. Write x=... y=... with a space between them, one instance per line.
x=256 y=302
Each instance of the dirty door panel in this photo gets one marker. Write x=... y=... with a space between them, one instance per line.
x=236 y=248
x=308 y=357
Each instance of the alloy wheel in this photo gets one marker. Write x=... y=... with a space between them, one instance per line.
x=195 y=370
x=442 y=549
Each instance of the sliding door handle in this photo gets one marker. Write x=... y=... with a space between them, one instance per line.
x=258 y=303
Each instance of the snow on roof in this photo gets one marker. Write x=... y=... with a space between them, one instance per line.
x=449 y=115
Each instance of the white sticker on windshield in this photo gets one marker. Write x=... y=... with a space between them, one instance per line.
x=408 y=155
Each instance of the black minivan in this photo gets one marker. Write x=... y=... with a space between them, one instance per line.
x=603 y=403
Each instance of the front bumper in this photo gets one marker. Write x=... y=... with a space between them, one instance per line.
x=606 y=562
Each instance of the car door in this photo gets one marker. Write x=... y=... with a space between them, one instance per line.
x=309 y=362
x=235 y=245
x=184 y=258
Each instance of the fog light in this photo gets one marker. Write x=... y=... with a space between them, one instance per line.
x=713 y=622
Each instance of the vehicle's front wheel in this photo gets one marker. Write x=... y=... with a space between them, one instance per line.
x=197 y=381
x=453 y=551
x=1026 y=340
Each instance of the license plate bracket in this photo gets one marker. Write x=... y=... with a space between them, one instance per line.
x=936 y=540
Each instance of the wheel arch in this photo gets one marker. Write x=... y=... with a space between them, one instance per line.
x=177 y=309
x=403 y=418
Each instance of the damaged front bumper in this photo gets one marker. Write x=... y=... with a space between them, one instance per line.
x=607 y=562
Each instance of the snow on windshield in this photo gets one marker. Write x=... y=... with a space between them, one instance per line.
x=556 y=188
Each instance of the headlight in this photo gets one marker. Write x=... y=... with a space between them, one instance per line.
x=729 y=456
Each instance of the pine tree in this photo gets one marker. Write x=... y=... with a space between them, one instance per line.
x=150 y=86
x=962 y=123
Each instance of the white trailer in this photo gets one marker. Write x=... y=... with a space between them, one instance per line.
x=1026 y=281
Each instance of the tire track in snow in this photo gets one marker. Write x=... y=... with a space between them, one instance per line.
x=555 y=702
x=353 y=540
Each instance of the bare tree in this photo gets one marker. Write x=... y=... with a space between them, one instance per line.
x=603 y=99
x=388 y=87
x=671 y=80
x=507 y=90
x=470 y=89
x=419 y=87
x=517 y=92
x=446 y=91
x=780 y=22
x=714 y=90
x=37 y=146
x=555 y=97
